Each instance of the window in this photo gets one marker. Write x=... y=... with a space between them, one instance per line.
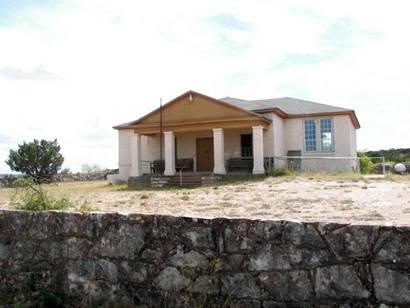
x=246 y=145
x=310 y=135
x=326 y=140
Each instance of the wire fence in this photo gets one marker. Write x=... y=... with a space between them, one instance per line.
x=302 y=164
x=326 y=164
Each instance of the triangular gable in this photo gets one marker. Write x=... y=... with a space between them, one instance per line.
x=200 y=108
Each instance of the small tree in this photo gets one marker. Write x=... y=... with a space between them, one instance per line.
x=91 y=169
x=66 y=171
x=38 y=159
x=366 y=164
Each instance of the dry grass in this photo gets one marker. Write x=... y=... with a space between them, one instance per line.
x=313 y=197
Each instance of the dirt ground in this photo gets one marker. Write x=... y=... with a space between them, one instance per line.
x=301 y=198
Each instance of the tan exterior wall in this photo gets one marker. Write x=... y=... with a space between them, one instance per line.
x=282 y=135
x=344 y=142
x=344 y=136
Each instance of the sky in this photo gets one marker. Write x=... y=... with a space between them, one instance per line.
x=72 y=69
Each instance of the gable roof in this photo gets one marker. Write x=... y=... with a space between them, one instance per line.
x=170 y=103
x=285 y=107
x=291 y=107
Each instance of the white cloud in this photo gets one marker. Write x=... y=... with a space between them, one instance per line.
x=114 y=59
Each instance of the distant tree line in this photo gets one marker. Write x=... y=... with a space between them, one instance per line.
x=392 y=155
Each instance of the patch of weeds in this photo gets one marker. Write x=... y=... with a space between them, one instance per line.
x=144 y=196
x=31 y=197
x=226 y=204
x=85 y=207
x=185 y=198
x=226 y=198
x=283 y=171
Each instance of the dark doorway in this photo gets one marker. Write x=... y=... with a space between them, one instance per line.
x=246 y=145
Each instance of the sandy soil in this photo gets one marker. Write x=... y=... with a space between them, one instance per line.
x=302 y=198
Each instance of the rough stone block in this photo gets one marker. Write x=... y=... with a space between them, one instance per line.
x=393 y=247
x=352 y=241
x=339 y=282
x=267 y=230
x=241 y=285
x=132 y=271
x=236 y=242
x=205 y=285
x=4 y=252
x=391 y=286
x=200 y=237
x=269 y=257
x=170 y=279
x=120 y=241
x=192 y=259
x=288 y=286
x=306 y=235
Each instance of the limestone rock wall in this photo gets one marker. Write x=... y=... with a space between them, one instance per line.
x=115 y=260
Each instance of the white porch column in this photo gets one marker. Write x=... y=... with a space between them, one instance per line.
x=136 y=169
x=219 y=151
x=169 y=153
x=257 y=143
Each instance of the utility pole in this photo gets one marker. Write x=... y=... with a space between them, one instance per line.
x=160 y=128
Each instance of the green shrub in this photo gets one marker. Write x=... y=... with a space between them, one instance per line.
x=185 y=197
x=283 y=171
x=144 y=196
x=31 y=197
x=366 y=164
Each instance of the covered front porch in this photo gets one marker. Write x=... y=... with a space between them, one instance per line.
x=195 y=133
x=217 y=150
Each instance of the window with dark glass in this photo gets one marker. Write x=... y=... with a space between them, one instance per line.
x=310 y=135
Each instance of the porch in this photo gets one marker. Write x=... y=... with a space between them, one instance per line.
x=216 y=150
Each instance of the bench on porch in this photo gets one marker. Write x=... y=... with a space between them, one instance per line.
x=245 y=164
x=184 y=164
x=240 y=164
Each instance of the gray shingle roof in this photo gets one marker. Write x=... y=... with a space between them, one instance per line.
x=288 y=105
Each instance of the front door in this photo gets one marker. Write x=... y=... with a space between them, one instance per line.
x=204 y=154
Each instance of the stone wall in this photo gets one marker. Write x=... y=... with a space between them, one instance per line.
x=53 y=258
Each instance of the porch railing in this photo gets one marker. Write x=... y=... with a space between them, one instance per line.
x=185 y=164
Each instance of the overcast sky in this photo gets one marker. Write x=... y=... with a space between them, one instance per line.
x=72 y=69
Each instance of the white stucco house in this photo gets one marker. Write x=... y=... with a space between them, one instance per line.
x=204 y=134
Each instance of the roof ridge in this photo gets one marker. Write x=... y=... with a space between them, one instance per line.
x=230 y=97
x=301 y=100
